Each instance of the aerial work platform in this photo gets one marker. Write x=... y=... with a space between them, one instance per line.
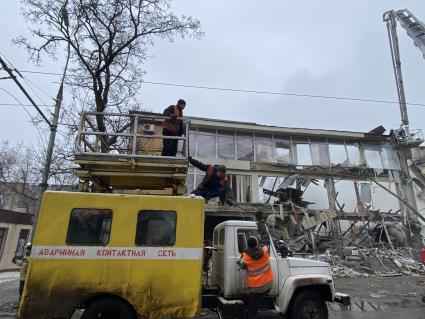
x=126 y=154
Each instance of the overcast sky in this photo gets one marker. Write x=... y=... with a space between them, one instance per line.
x=333 y=48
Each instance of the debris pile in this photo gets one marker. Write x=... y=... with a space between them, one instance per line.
x=362 y=243
x=352 y=262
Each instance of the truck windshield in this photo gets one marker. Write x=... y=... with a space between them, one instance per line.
x=243 y=235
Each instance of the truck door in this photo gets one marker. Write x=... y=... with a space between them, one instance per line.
x=218 y=257
x=241 y=245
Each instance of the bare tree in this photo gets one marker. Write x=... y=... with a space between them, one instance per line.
x=21 y=168
x=109 y=41
x=18 y=174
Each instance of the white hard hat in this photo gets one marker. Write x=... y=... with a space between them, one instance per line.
x=28 y=245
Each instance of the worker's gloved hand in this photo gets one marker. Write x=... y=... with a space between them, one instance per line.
x=189 y=158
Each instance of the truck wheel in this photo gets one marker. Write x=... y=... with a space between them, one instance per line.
x=308 y=305
x=108 y=308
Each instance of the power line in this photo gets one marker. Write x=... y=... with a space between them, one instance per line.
x=10 y=72
x=16 y=104
x=33 y=91
x=327 y=97
x=38 y=88
x=39 y=72
x=26 y=111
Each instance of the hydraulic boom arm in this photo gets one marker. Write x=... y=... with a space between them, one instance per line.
x=416 y=30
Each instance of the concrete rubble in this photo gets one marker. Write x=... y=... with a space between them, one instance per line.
x=351 y=262
x=368 y=243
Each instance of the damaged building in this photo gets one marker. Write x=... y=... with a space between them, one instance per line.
x=322 y=174
x=322 y=189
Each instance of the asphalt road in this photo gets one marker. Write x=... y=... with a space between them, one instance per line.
x=9 y=282
x=377 y=298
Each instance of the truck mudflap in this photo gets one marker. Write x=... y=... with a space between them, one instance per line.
x=343 y=299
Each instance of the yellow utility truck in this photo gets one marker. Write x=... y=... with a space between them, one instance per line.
x=118 y=256
x=141 y=256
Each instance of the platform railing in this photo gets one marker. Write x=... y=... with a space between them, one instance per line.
x=125 y=136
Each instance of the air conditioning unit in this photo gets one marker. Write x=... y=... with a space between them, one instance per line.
x=149 y=128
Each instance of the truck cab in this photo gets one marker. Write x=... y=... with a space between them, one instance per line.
x=297 y=282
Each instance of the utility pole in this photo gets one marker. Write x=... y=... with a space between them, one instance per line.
x=53 y=129
x=53 y=124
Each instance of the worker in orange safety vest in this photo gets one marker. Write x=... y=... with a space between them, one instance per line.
x=259 y=275
x=173 y=126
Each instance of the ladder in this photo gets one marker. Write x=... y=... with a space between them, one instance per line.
x=416 y=30
x=413 y=26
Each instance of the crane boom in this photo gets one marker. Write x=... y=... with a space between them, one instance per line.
x=413 y=26
x=416 y=30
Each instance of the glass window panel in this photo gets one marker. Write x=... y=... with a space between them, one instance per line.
x=215 y=237
x=190 y=181
x=366 y=192
x=389 y=158
x=264 y=149
x=270 y=183
x=221 y=237
x=192 y=143
x=23 y=238
x=383 y=200
x=282 y=151
x=156 y=228
x=245 y=147
x=199 y=178
x=3 y=236
x=319 y=154
x=89 y=226
x=243 y=235
x=226 y=145
x=338 y=155
x=346 y=194
x=353 y=154
x=373 y=157
x=206 y=144
x=303 y=154
x=317 y=195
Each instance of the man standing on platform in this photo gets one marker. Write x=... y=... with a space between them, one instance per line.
x=172 y=127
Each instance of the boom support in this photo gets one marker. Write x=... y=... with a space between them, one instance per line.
x=416 y=30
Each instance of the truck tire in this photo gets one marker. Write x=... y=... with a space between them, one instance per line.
x=108 y=308
x=308 y=305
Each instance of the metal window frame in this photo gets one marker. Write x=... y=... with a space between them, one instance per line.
x=3 y=239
